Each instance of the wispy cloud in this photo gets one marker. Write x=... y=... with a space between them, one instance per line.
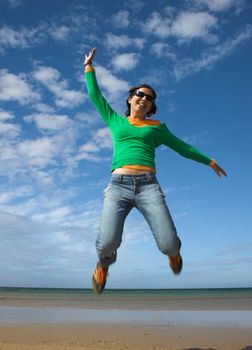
x=40 y=152
x=22 y=38
x=20 y=192
x=14 y=3
x=187 y=25
x=192 y=25
x=5 y=115
x=44 y=251
x=60 y=32
x=43 y=107
x=8 y=129
x=211 y=56
x=51 y=79
x=110 y=83
x=37 y=159
x=100 y=140
x=49 y=122
x=116 y=42
x=125 y=61
x=161 y=49
x=158 y=25
x=121 y=19
x=27 y=37
x=220 y=5
x=55 y=216
x=15 y=87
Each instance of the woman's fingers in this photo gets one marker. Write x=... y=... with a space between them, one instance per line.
x=219 y=171
x=89 y=56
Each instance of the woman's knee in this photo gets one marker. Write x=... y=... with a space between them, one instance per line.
x=107 y=247
x=170 y=246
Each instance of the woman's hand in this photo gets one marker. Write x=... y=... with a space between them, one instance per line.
x=89 y=57
x=218 y=170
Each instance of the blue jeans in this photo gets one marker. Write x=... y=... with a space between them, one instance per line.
x=144 y=193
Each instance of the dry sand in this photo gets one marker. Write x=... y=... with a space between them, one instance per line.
x=69 y=337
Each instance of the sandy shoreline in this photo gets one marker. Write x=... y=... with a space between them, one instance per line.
x=191 y=323
x=66 y=337
x=61 y=316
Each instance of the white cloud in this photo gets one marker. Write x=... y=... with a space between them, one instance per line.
x=116 y=42
x=88 y=147
x=47 y=75
x=43 y=108
x=186 y=26
x=59 y=249
x=89 y=156
x=16 y=88
x=114 y=86
x=60 y=32
x=28 y=157
x=40 y=152
x=51 y=79
x=44 y=178
x=101 y=139
x=19 y=192
x=52 y=122
x=219 y=5
x=39 y=158
x=9 y=130
x=22 y=38
x=211 y=56
x=190 y=25
x=5 y=115
x=157 y=25
x=161 y=49
x=125 y=61
x=55 y=216
x=88 y=118
x=15 y=3
x=121 y=19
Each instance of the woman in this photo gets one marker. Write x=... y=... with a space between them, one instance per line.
x=133 y=182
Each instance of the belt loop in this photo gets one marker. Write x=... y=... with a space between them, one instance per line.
x=121 y=178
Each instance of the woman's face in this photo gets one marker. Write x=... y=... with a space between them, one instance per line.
x=141 y=102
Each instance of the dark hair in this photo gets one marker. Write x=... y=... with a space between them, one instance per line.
x=131 y=93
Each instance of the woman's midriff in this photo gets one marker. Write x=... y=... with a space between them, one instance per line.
x=133 y=170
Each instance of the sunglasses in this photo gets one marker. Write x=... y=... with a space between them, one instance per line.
x=142 y=94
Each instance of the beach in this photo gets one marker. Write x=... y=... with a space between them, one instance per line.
x=49 y=337
x=137 y=320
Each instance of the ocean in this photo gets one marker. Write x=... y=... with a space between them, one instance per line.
x=217 y=307
x=126 y=298
x=21 y=292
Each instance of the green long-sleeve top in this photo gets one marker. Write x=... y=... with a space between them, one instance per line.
x=135 y=145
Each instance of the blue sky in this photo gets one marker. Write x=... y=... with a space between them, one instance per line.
x=55 y=151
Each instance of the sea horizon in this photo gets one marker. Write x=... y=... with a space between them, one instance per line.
x=126 y=289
